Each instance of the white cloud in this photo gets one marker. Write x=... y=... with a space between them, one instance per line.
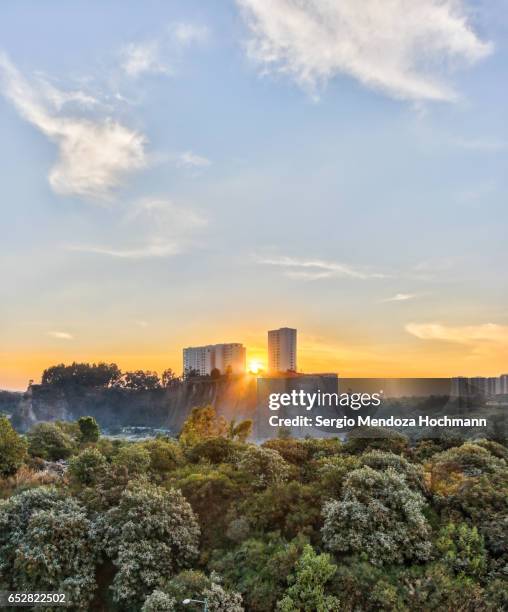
x=188 y=33
x=143 y=58
x=162 y=229
x=401 y=47
x=59 y=335
x=94 y=155
x=143 y=251
x=400 y=297
x=465 y=334
x=188 y=159
x=158 y=55
x=315 y=269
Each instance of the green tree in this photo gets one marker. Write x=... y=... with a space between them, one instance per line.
x=89 y=429
x=202 y=423
x=169 y=378
x=81 y=375
x=194 y=585
x=135 y=458
x=151 y=535
x=88 y=467
x=259 y=569
x=46 y=544
x=48 y=441
x=264 y=465
x=306 y=592
x=12 y=448
x=379 y=517
x=462 y=548
x=140 y=380
x=57 y=553
x=379 y=460
x=165 y=456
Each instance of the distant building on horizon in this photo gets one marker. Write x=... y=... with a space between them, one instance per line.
x=479 y=385
x=223 y=357
x=282 y=350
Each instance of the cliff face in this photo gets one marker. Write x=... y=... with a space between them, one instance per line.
x=113 y=408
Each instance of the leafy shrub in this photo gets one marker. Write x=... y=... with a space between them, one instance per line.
x=379 y=460
x=214 y=450
x=88 y=429
x=462 y=549
x=12 y=448
x=165 y=455
x=135 y=458
x=307 y=585
x=46 y=545
x=378 y=516
x=264 y=466
x=48 y=441
x=151 y=535
x=88 y=467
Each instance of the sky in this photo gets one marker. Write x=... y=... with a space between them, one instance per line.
x=179 y=173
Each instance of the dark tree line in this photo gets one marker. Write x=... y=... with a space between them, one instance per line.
x=105 y=375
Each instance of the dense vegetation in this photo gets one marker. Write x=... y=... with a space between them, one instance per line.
x=291 y=525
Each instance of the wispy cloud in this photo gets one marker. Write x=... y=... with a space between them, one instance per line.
x=94 y=155
x=162 y=230
x=315 y=269
x=401 y=297
x=465 y=334
x=160 y=54
x=59 y=335
x=188 y=159
x=143 y=58
x=401 y=47
x=189 y=33
x=143 y=251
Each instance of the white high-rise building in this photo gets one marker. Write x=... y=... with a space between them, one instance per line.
x=224 y=357
x=282 y=350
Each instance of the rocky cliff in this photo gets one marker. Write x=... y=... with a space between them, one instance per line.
x=114 y=408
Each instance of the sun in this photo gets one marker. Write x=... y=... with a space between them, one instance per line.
x=254 y=367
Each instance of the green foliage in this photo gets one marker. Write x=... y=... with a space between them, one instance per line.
x=89 y=429
x=378 y=516
x=462 y=548
x=46 y=544
x=150 y=535
x=48 y=441
x=214 y=450
x=259 y=569
x=81 y=375
x=203 y=423
x=364 y=439
x=379 y=460
x=140 y=381
x=333 y=471
x=127 y=544
x=211 y=491
x=12 y=448
x=57 y=553
x=87 y=468
x=307 y=585
x=293 y=451
x=290 y=507
x=165 y=455
x=239 y=431
x=264 y=465
x=194 y=585
x=135 y=458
